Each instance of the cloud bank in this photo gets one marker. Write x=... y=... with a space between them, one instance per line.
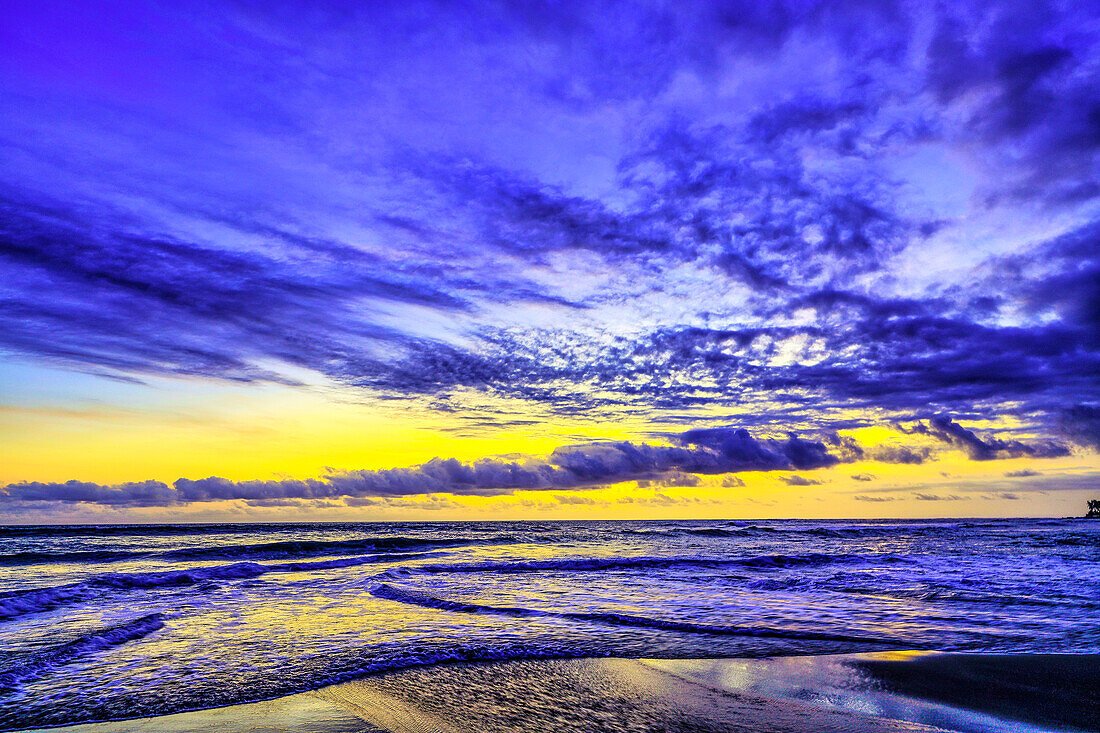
x=703 y=451
x=700 y=451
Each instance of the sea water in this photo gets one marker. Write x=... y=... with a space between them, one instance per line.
x=106 y=622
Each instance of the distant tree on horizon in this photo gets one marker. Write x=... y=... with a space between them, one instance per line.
x=1094 y=509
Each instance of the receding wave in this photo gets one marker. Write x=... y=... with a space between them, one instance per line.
x=1069 y=539
x=37 y=558
x=313 y=548
x=945 y=595
x=582 y=564
x=43 y=599
x=96 y=641
x=418 y=598
x=261 y=551
x=742 y=530
x=19 y=603
x=135 y=530
x=874 y=530
x=693 y=531
x=728 y=529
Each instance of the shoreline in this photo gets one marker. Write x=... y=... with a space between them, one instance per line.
x=943 y=518
x=871 y=692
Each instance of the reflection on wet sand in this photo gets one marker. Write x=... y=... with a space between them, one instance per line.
x=837 y=694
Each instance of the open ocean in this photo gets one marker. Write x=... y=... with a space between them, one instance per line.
x=102 y=622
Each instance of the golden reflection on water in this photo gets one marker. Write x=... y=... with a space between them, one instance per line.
x=900 y=655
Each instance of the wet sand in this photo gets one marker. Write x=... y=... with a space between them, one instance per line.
x=1048 y=689
x=869 y=693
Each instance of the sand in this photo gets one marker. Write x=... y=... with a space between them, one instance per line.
x=868 y=693
x=1048 y=689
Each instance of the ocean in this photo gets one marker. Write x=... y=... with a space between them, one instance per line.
x=107 y=622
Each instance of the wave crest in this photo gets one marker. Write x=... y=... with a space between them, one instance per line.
x=425 y=600
x=96 y=641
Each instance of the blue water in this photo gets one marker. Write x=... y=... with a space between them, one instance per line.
x=110 y=622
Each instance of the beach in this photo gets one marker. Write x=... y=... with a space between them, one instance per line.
x=788 y=625
x=878 y=692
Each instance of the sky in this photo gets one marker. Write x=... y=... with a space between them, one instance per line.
x=271 y=261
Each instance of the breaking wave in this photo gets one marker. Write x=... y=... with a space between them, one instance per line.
x=262 y=551
x=587 y=564
x=43 y=599
x=418 y=598
x=89 y=644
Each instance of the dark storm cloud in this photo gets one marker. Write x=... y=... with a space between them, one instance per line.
x=804 y=115
x=706 y=451
x=141 y=304
x=718 y=195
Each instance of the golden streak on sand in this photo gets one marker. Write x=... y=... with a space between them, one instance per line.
x=363 y=699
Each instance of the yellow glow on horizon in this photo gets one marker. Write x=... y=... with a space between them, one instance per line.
x=262 y=432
